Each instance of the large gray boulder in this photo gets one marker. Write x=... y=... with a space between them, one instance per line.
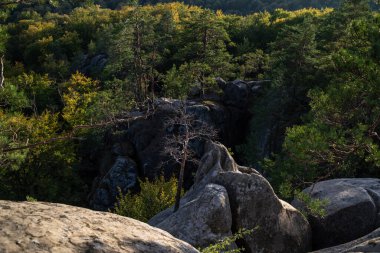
x=46 y=227
x=203 y=220
x=367 y=243
x=352 y=210
x=278 y=227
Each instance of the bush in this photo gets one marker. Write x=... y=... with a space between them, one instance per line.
x=153 y=198
x=224 y=245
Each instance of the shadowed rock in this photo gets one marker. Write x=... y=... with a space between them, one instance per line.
x=368 y=243
x=147 y=138
x=353 y=210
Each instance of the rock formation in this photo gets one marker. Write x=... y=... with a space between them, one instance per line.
x=353 y=210
x=278 y=227
x=45 y=227
x=145 y=137
x=368 y=243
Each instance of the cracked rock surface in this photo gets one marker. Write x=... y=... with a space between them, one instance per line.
x=227 y=197
x=56 y=228
x=352 y=211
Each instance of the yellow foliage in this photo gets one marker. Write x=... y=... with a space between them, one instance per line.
x=153 y=198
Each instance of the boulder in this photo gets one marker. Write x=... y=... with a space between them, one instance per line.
x=352 y=210
x=278 y=227
x=367 y=243
x=46 y=227
x=122 y=175
x=236 y=93
x=202 y=221
x=92 y=64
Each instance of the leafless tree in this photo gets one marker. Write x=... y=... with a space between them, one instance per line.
x=185 y=128
x=2 y=72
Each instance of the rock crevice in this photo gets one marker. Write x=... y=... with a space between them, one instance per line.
x=277 y=226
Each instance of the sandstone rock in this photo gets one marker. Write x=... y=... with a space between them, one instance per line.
x=46 y=227
x=123 y=175
x=281 y=228
x=352 y=210
x=236 y=93
x=92 y=64
x=201 y=221
x=368 y=243
x=147 y=135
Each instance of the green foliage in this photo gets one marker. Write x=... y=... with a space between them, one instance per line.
x=323 y=101
x=153 y=198
x=30 y=199
x=13 y=99
x=3 y=39
x=252 y=65
x=73 y=64
x=314 y=207
x=224 y=245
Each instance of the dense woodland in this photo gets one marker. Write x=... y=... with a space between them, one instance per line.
x=71 y=70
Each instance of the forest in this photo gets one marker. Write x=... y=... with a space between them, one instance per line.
x=72 y=70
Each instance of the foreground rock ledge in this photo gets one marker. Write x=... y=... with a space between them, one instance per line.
x=46 y=227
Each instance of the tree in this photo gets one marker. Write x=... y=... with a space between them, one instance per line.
x=2 y=72
x=252 y=65
x=204 y=43
x=185 y=130
x=294 y=71
x=3 y=41
x=178 y=83
x=135 y=52
x=339 y=137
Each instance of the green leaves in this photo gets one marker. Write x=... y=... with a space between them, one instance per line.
x=225 y=244
x=153 y=198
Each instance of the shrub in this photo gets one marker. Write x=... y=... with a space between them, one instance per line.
x=224 y=245
x=152 y=199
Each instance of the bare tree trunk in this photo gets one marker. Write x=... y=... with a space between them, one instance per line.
x=2 y=72
x=153 y=63
x=180 y=180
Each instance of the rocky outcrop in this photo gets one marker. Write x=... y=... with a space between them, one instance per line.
x=122 y=175
x=203 y=220
x=352 y=211
x=278 y=227
x=239 y=93
x=117 y=170
x=91 y=64
x=368 y=243
x=146 y=135
x=45 y=227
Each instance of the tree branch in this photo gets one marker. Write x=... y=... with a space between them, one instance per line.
x=71 y=135
x=2 y=72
